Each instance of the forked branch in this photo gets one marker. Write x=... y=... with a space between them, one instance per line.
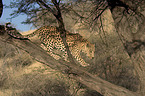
x=57 y=14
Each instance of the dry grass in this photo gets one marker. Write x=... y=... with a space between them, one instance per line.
x=22 y=76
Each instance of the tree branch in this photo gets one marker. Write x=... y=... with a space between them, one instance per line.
x=40 y=2
x=77 y=73
x=62 y=30
x=1 y=8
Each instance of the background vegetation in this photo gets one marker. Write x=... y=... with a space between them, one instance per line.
x=115 y=27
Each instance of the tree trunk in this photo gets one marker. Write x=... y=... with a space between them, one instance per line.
x=1 y=8
x=139 y=65
x=137 y=57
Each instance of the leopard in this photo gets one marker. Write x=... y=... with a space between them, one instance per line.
x=51 y=40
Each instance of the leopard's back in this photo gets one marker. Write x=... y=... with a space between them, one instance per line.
x=42 y=31
x=50 y=38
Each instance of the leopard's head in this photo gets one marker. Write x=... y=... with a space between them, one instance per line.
x=88 y=49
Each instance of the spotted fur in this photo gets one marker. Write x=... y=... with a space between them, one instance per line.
x=50 y=37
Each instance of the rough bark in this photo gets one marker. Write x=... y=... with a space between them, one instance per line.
x=139 y=65
x=137 y=56
x=95 y=83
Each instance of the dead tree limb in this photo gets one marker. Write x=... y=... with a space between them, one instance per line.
x=95 y=83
